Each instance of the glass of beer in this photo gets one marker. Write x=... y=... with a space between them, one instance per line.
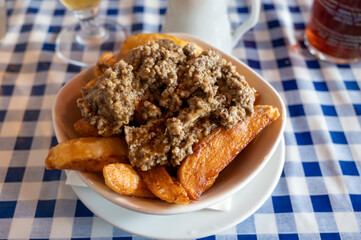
x=92 y=34
x=333 y=32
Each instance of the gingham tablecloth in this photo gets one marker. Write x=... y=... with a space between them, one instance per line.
x=318 y=195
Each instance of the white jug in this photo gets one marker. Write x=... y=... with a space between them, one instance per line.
x=208 y=20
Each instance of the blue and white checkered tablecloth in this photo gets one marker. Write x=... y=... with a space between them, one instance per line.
x=318 y=195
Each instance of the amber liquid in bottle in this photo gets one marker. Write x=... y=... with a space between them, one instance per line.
x=334 y=30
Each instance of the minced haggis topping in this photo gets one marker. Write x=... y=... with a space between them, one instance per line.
x=166 y=99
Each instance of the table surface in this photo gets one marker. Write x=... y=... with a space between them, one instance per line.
x=319 y=193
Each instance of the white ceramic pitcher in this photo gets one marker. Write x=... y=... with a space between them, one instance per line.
x=208 y=20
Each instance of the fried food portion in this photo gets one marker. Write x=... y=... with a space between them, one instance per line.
x=199 y=170
x=141 y=39
x=90 y=83
x=105 y=61
x=164 y=186
x=109 y=155
x=88 y=154
x=123 y=179
x=85 y=129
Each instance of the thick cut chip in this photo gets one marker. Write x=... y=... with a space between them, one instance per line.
x=87 y=154
x=164 y=186
x=141 y=39
x=199 y=170
x=106 y=60
x=123 y=179
x=90 y=84
x=85 y=129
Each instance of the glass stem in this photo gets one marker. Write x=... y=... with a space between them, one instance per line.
x=91 y=32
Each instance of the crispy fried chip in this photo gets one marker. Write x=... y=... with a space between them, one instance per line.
x=164 y=186
x=123 y=179
x=87 y=154
x=106 y=60
x=141 y=39
x=199 y=170
x=85 y=129
x=90 y=83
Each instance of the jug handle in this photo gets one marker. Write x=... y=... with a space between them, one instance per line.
x=251 y=22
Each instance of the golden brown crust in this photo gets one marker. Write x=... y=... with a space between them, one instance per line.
x=141 y=39
x=87 y=154
x=85 y=129
x=165 y=187
x=106 y=60
x=123 y=179
x=199 y=170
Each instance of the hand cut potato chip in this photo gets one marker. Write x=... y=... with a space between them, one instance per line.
x=87 y=154
x=141 y=39
x=91 y=83
x=123 y=179
x=106 y=60
x=199 y=170
x=85 y=129
x=164 y=186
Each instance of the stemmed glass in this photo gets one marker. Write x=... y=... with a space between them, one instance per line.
x=91 y=35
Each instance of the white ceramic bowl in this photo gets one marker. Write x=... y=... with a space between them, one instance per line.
x=244 y=168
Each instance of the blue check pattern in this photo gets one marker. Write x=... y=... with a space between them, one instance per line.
x=318 y=195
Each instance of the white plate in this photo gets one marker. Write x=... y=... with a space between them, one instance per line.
x=196 y=224
x=236 y=176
